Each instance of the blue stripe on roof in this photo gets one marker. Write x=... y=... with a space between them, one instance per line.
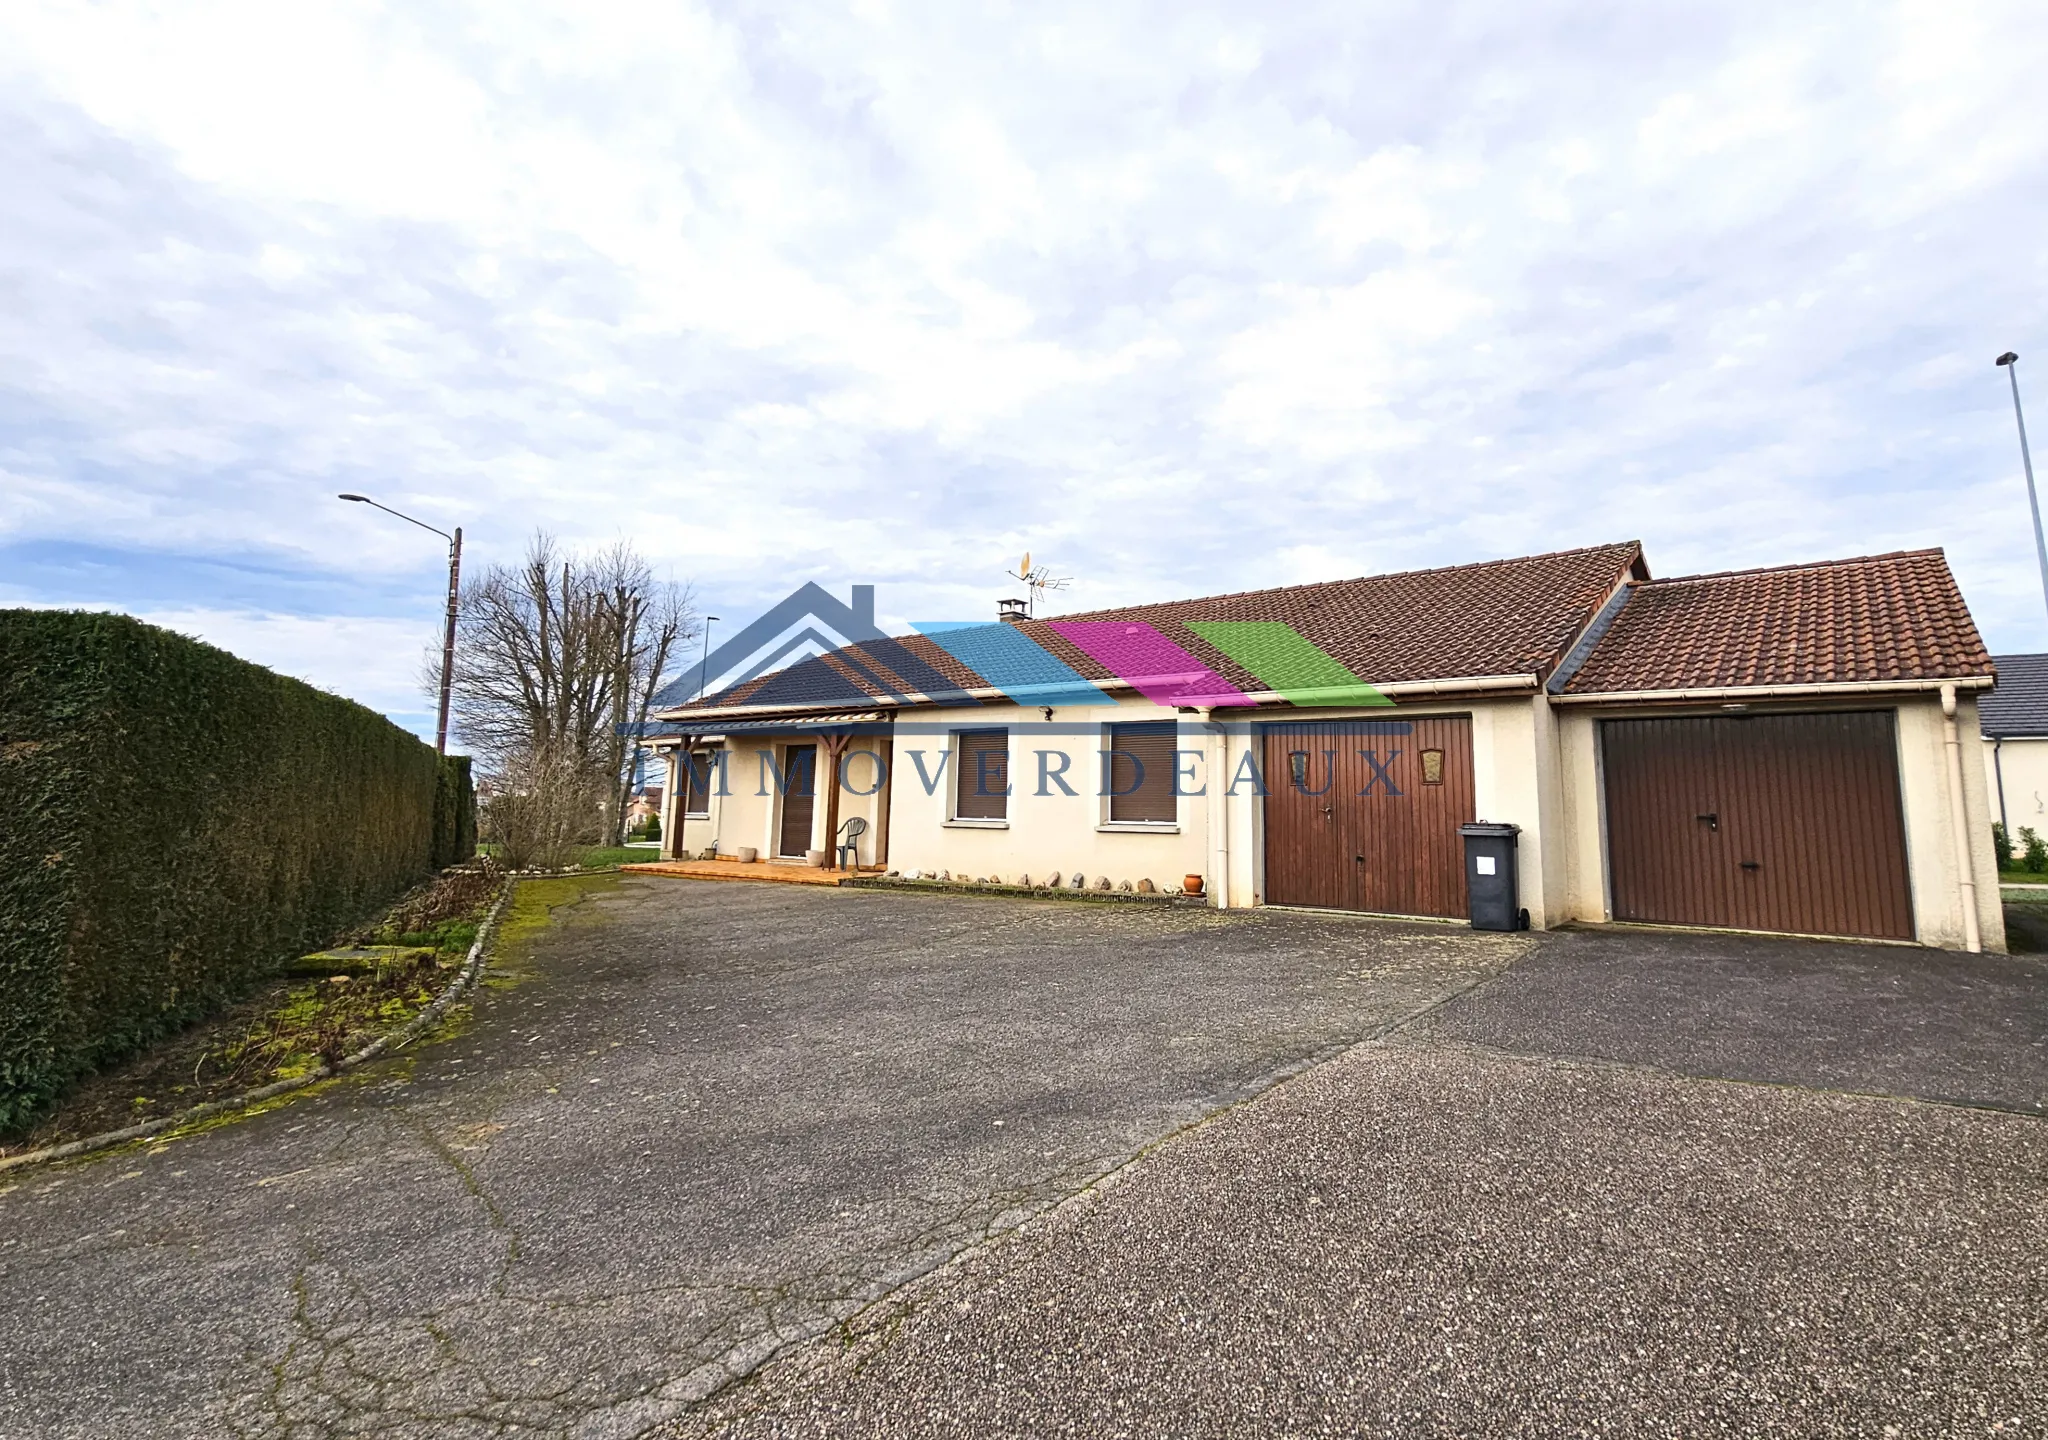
x=1011 y=661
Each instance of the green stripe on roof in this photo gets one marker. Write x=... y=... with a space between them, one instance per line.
x=1288 y=662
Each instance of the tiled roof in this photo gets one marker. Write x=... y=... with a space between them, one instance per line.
x=2019 y=706
x=1877 y=618
x=1501 y=617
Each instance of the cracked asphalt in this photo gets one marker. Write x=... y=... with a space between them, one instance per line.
x=707 y=1122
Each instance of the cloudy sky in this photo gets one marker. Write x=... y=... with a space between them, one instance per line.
x=1181 y=297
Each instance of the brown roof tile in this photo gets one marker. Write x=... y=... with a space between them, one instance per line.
x=1500 y=617
x=1876 y=618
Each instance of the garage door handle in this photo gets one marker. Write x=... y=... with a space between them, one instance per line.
x=1713 y=820
x=1752 y=865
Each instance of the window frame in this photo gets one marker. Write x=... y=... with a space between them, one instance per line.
x=1108 y=821
x=962 y=763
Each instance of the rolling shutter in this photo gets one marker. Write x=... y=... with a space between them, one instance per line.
x=1141 y=762
x=981 y=783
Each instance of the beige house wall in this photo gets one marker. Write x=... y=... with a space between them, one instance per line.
x=1582 y=812
x=1930 y=836
x=1047 y=834
x=2023 y=767
x=1513 y=771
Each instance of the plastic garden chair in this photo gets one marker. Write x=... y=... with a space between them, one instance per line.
x=849 y=845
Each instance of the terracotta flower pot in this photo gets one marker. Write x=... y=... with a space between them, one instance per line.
x=1190 y=884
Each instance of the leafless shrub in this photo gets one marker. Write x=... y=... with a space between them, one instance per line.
x=542 y=810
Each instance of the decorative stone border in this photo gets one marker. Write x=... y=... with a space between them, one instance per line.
x=1037 y=892
x=405 y=1034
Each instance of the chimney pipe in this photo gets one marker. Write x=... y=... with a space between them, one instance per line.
x=1012 y=611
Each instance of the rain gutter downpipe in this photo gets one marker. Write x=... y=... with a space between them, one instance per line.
x=1973 y=939
x=1998 y=769
x=1219 y=809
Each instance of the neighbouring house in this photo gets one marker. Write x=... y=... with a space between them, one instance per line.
x=2014 y=718
x=645 y=802
x=1789 y=749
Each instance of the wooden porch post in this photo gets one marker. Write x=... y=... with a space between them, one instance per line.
x=833 y=747
x=886 y=748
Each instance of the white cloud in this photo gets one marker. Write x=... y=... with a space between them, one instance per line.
x=374 y=661
x=1183 y=298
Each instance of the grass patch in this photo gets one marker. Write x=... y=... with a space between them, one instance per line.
x=535 y=902
x=601 y=856
x=2023 y=877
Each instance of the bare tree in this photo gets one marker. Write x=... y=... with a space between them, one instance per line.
x=557 y=661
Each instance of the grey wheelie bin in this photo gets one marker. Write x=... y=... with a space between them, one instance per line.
x=1490 y=876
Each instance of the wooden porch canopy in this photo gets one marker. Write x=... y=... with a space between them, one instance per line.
x=836 y=732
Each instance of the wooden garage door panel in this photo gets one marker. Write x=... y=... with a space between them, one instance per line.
x=1663 y=776
x=1806 y=832
x=1368 y=833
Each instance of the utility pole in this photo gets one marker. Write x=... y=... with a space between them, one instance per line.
x=2010 y=362
x=448 y=639
x=454 y=595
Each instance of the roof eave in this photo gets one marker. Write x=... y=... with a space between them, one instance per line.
x=1835 y=689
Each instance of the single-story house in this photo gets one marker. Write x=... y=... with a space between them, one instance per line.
x=1789 y=749
x=2014 y=718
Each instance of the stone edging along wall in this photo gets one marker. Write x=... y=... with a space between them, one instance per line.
x=1040 y=892
x=472 y=967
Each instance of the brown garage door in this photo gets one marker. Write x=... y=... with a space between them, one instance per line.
x=1364 y=814
x=1760 y=822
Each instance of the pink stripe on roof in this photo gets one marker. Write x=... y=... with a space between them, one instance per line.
x=1162 y=672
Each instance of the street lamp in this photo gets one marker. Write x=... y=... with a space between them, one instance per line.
x=454 y=590
x=704 y=680
x=2010 y=362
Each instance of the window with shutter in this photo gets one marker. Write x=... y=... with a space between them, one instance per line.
x=697 y=795
x=1140 y=766
x=981 y=775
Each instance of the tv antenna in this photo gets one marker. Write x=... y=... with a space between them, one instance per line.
x=1037 y=581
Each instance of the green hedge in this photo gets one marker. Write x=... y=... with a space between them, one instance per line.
x=454 y=813
x=176 y=823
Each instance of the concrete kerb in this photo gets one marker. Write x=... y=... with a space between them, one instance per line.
x=405 y=1034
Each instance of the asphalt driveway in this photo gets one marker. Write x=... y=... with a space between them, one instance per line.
x=706 y=1122
x=1870 y=1019
x=1639 y=1184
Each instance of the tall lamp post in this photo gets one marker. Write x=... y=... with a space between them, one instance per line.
x=2010 y=362
x=703 y=680
x=454 y=592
